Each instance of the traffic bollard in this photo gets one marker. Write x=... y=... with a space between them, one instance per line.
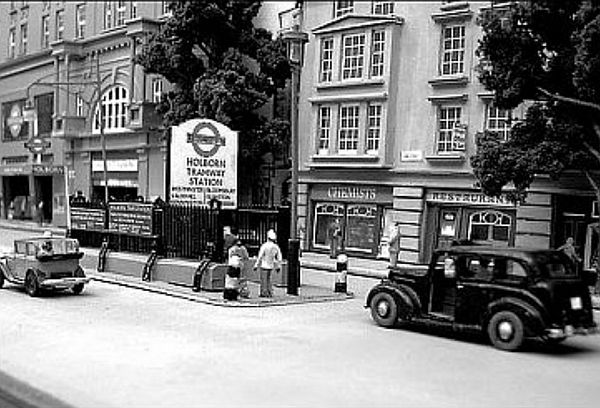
x=341 y=275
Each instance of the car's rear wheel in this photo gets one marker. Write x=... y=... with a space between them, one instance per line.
x=77 y=289
x=505 y=330
x=384 y=309
x=31 y=285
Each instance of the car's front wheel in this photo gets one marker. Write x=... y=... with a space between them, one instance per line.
x=31 y=285
x=505 y=330
x=77 y=289
x=384 y=309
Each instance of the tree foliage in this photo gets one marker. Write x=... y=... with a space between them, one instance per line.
x=223 y=68
x=545 y=54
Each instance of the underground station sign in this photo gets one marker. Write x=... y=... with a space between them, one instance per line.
x=203 y=163
x=37 y=145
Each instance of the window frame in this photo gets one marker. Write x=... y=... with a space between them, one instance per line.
x=504 y=132
x=373 y=150
x=348 y=134
x=115 y=110
x=448 y=132
x=12 y=42
x=461 y=51
x=326 y=59
x=324 y=133
x=348 y=7
x=382 y=5
x=59 y=19
x=108 y=21
x=80 y=24
x=120 y=13
x=45 y=31
x=24 y=40
x=353 y=64
x=157 y=90
x=379 y=53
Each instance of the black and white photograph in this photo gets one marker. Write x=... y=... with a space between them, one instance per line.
x=299 y=203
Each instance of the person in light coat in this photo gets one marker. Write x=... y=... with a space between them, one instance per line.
x=269 y=259
x=394 y=245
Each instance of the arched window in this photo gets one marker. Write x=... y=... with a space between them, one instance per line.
x=114 y=110
x=489 y=226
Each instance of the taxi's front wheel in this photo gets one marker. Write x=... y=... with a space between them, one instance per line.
x=31 y=285
x=77 y=289
x=505 y=330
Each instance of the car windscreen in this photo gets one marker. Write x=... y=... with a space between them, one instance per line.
x=556 y=265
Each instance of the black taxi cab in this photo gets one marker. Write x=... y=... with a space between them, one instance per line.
x=508 y=294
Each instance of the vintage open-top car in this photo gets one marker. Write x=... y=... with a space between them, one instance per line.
x=44 y=263
x=506 y=293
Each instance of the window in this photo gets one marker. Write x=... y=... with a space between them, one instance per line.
x=45 y=31
x=348 y=129
x=498 y=121
x=133 y=9
x=324 y=128
x=342 y=7
x=60 y=24
x=165 y=8
x=377 y=50
x=326 y=60
x=453 y=50
x=44 y=106
x=79 y=105
x=374 y=114
x=80 y=21
x=383 y=7
x=108 y=15
x=121 y=13
x=157 y=89
x=361 y=222
x=12 y=42
x=353 y=56
x=114 y=110
x=23 y=46
x=489 y=225
x=450 y=137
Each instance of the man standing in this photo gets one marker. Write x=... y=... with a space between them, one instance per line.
x=394 y=245
x=269 y=258
x=334 y=233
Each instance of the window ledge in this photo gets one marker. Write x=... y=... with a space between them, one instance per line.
x=454 y=15
x=456 y=157
x=455 y=5
x=354 y=161
x=350 y=83
x=449 y=80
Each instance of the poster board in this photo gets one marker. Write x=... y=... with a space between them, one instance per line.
x=203 y=163
x=132 y=218
x=91 y=219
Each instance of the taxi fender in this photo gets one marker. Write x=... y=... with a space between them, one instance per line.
x=401 y=294
x=531 y=316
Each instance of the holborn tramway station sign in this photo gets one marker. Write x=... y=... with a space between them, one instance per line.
x=203 y=163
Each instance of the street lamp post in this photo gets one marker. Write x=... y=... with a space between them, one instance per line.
x=295 y=40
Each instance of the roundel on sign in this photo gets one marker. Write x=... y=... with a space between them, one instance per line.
x=15 y=120
x=206 y=139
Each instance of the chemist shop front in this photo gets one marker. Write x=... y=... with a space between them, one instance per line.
x=362 y=211
x=468 y=215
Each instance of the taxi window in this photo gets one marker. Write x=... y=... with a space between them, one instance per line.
x=478 y=267
x=31 y=248
x=20 y=247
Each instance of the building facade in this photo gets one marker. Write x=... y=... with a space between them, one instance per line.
x=57 y=60
x=389 y=108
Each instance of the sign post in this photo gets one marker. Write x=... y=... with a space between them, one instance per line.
x=203 y=163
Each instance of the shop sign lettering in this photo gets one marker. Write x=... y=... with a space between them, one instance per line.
x=355 y=193
x=468 y=198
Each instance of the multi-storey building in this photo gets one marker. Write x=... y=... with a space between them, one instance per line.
x=59 y=57
x=389 y=108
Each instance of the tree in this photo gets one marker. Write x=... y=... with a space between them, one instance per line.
x=545 y=54
x=223 y=68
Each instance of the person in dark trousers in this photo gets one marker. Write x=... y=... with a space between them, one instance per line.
x=269 y=259
x=334 y=234
x=568 y=248
x=238 y=259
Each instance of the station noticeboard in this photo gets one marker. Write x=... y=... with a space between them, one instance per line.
x=203 y=163
x=91 y=219
x=132 y=218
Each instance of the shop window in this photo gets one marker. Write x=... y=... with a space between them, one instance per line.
x=325 y=213
x=489 y=226
x=361 y=223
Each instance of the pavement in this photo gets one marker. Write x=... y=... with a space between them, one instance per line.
x=311 y=290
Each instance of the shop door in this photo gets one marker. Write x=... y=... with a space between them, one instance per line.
x=447 y=227
x=575 y=227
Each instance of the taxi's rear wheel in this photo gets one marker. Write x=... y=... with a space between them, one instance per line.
x=505 y=330
x=31 y=285
x=384 y=309
x=77 y=289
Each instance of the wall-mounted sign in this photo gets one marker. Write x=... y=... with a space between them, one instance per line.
x=471 y=198
x=47 y=169
x=411 y=156
x=355 y=193
x=203 y=158
x=15 y=127
x=115 y=165
x=37 y=145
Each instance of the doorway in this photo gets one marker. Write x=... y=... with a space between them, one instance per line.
x=43 y=192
